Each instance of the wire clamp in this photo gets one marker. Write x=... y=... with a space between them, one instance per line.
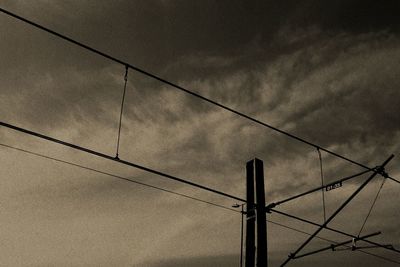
x=381 y=171
x=269 y=207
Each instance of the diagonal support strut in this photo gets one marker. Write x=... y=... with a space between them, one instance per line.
x=335 y=230
x=292 y=255
x=333 y=246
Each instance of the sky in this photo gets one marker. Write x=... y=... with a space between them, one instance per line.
x=326 y=71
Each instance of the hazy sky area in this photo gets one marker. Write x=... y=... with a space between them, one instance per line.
x=327 y=71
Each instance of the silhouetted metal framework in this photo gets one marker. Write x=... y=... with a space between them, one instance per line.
x=333 y=230
x=262 y=249
x=374 y=244
x=358 y=190
x=256 y=212
x=347 y=247
x=269 y=208
x=131 y=180
x=333 y=246
x=162 y=80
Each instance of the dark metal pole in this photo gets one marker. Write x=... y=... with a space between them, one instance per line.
x=250 y=216
x=241 y=239
x=292 y=255
x=262 y=259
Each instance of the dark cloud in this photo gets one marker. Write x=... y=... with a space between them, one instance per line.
x=325 y=71
x=352 y=16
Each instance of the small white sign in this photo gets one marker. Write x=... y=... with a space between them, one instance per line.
x=330 y=187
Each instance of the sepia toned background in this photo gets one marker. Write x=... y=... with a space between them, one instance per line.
x=326 y=71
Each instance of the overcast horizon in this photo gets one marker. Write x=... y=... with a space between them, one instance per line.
x=326 y=71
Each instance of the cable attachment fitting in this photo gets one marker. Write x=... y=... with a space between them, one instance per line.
x=269 y=207
x=353 y=244
x=381 y=171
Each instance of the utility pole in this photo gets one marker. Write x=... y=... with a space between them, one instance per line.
x=255 y=177
x=262 y=255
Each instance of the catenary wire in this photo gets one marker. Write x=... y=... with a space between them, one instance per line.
x=131 y=180
x=331 y=229
x=335 y=242
x=331 y=241
x=144 y=72
x=136 y=182
x=173 y=192
x=192 y=93
x=273 y=204
x=336 y=212
x=124 y=162
x=292 y=256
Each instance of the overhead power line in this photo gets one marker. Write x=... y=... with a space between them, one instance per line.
x=334 y=246
x=274 y=204
x=335 y=242
x=141 y=183
x=332 y=241
x=124 y=162
x=144 y=72
x=177 y=194
x=131 y=180
x=381 y=171
x=332 y=229
x=333 y=215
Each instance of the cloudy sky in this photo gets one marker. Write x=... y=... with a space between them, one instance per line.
x=326 y=71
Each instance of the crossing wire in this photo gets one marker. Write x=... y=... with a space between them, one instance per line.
x=332 y=241
x=372 y=206
x=333 y=230
x=191 y=93
x=274 y=204
x=176 y=193
x=162 y=80
x=337 y=211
